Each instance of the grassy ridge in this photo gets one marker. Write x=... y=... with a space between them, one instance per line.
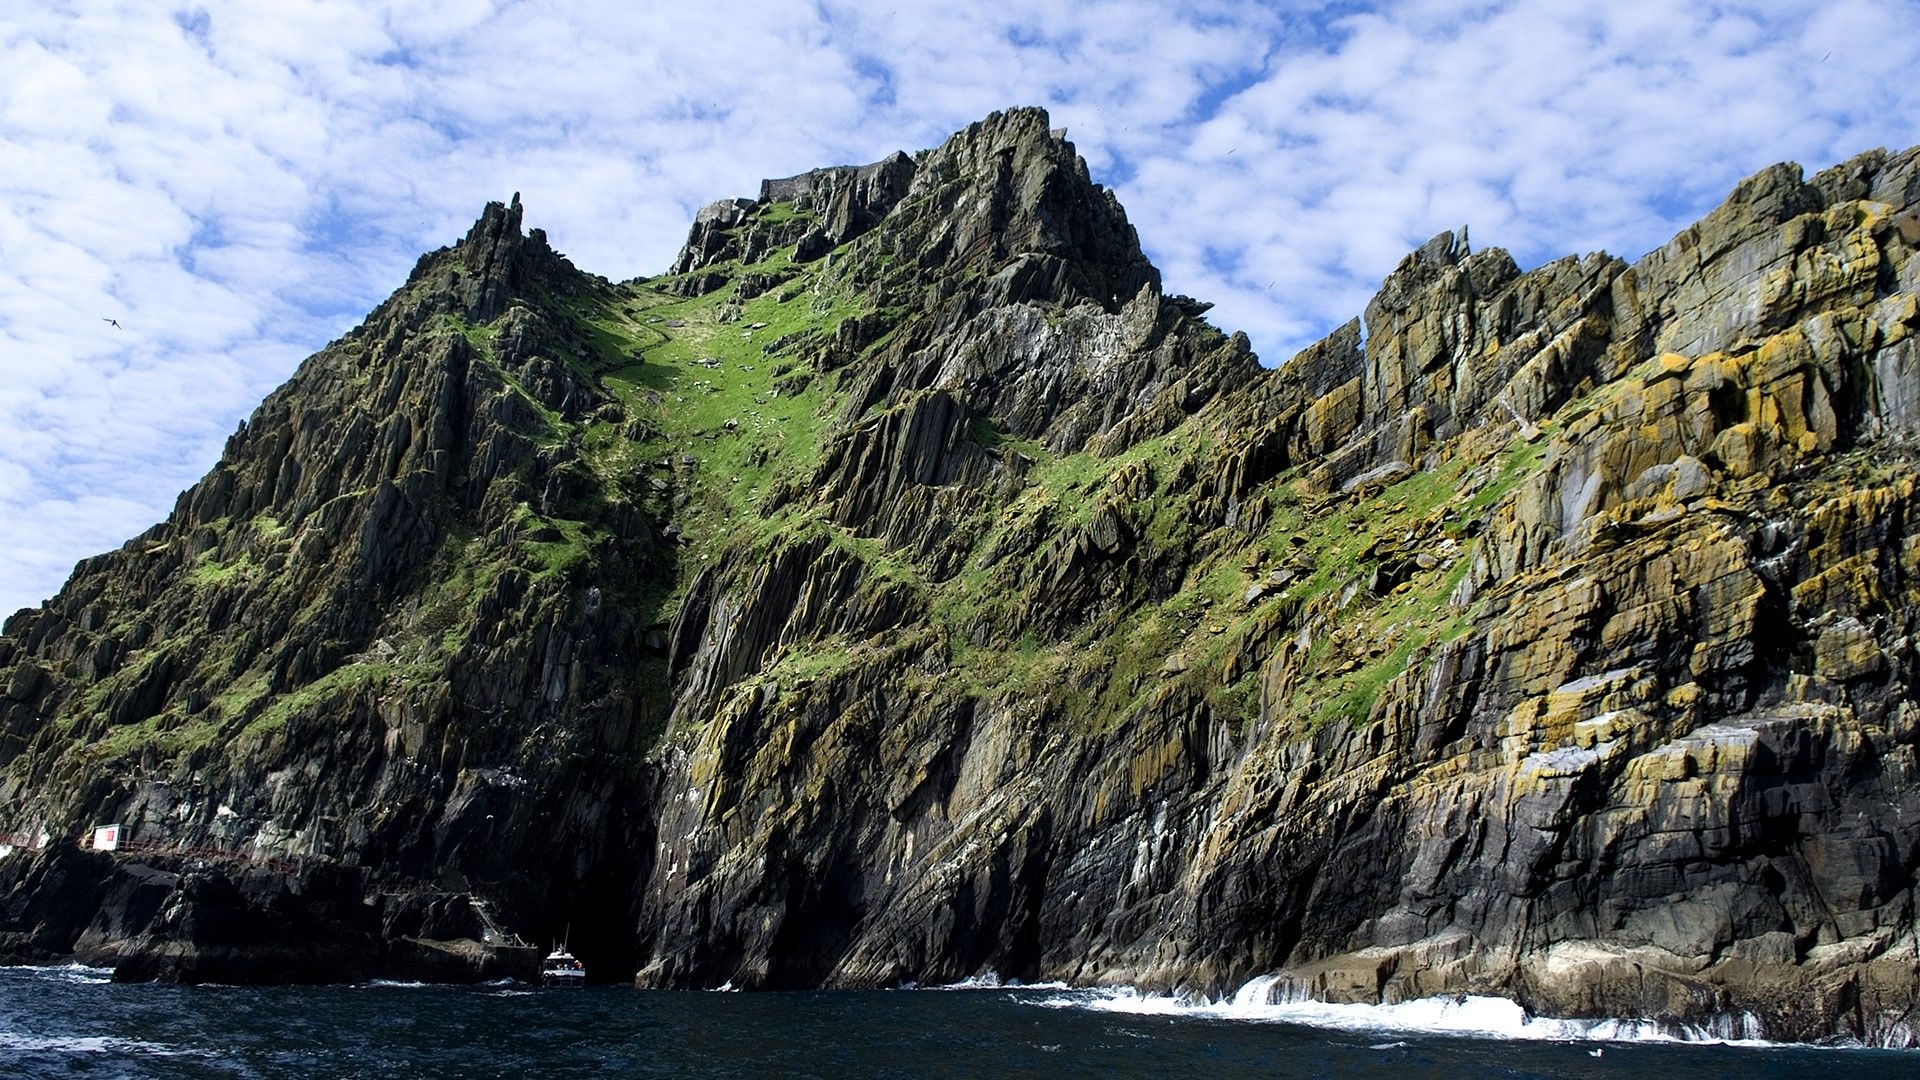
x=716 y=405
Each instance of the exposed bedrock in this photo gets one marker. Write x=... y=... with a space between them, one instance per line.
x=905 y=588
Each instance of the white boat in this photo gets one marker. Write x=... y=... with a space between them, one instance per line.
x=561 y=969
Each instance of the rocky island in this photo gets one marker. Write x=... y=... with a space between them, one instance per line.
x=905 y=588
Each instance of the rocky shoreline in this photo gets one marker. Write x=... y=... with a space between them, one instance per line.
x=192 y=919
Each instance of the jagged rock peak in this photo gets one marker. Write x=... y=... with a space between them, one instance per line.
x=1005 y=194
x=1034 y=199
x=840 y=203
x=492 y=263
x=495 y=222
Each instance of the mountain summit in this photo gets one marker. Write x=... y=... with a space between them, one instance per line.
x=904 y=588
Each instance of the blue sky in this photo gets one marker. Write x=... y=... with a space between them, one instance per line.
x=237 y=183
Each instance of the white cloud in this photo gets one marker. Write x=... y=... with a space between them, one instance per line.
x=1548 y=128
x=238 y=182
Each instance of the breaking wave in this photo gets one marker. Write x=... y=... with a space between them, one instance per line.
x=1264 y=999
x=79 y=974
x=991 y=981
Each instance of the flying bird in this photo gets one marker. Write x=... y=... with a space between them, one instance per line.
x=115 y=322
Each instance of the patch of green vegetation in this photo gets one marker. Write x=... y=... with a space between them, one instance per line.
x=1100 y=673
x=988 y=436
x=336 y=685
x=1050 y=675
x=549 y=427
x=479 y=336
x=169 y=736
x=240 y=697
x=812 y=661
x=1336 y=545
x=778 y=213
x=1522 y=460
x=1237 y=702
x=614 y=339
x=722 y=381
x=1425 y=491
x=1352 y=698
x=460 y=573
x=207 y=570
x=1134 y=655
x=563 y=554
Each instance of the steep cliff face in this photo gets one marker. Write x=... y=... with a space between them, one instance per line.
x=904 y=588
x=374 y=630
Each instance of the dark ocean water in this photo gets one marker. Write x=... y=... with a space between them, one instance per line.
x=72 y=1022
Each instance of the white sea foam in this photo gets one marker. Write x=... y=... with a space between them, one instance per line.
x=74 y=973
x=1471 y=1016
x=92 y=1044
x=991 y=981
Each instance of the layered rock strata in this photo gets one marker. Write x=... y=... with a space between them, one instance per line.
x=905 y=588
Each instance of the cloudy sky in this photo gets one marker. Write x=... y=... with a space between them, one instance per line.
x=237 y=183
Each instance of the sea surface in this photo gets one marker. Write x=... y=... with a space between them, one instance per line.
x=72 y=1021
